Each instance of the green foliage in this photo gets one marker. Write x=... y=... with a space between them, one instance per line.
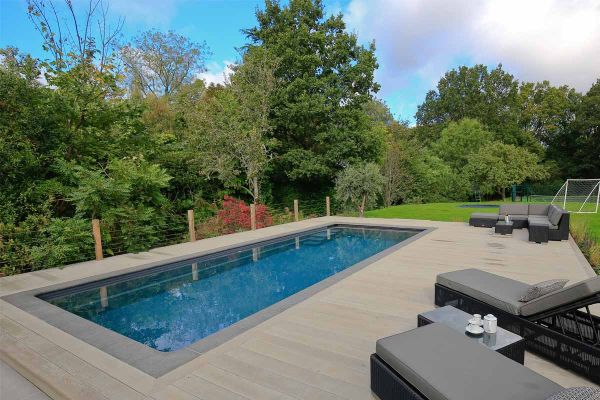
x=496 y=166
x=459 y=139
x=160 y=63
x=324 y=77
x=358 y=186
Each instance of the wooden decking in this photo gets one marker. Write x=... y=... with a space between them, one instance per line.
x=317 y=349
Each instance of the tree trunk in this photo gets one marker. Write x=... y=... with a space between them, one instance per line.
x=255 y=189
x=362 y=206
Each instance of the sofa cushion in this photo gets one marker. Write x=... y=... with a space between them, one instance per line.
x=577 y=393
x=514 y=209
x=484 y=216
x=568 y=294
x=516 y=217
x=444 y=364
x=498 y=291
x=539 y=289
x=538 y=209
x=540 y=220
x=554 y=214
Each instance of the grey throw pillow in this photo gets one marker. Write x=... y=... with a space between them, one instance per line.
x=542 y=288
x=577 y=393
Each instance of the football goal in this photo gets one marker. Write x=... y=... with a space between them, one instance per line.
x=579 y=195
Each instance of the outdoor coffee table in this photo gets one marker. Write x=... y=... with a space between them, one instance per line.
x=504 y=342
x=504 y=228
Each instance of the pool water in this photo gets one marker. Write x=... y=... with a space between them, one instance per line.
x=173 y=308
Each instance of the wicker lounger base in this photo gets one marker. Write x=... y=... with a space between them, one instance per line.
x=545 y=336
x=388 y=385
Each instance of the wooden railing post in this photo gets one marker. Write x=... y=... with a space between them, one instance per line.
x=97 y=239
x=253 y=216
x=191 y=225
x=296 y=210
x=327 y=206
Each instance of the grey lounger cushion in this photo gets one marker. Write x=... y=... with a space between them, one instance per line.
x=498 y=291
x=538 y=209
x=514 y=209
x=569 y=294
x=446 y=365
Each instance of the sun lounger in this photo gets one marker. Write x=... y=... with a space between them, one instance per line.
x=559 y=325
x=435 y=362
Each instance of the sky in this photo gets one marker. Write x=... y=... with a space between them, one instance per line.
x=417 y=40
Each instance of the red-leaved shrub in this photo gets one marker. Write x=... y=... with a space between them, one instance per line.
x=235 y=215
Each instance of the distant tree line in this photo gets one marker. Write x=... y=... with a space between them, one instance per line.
x=124 y=132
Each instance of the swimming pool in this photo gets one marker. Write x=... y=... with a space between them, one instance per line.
x=171 y=307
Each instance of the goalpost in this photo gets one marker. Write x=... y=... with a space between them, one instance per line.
x=579 y=196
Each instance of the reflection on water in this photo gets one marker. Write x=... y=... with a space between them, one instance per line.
x=171 y=309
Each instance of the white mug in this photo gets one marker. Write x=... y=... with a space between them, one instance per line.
x=490 y=323
x=477 y=318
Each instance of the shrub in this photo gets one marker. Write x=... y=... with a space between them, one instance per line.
x=235 y=215
x=589 y=245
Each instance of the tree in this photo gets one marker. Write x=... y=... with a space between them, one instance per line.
x=547 y=111
x=231 y=127
x=324 y=78
x=459 y=139
x=358 y=186
x=491 y=97
x=160 y=63
x=397 y=167
x=586 y=128
x=497 y=166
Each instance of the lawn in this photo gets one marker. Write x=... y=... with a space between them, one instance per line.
x=452 y=212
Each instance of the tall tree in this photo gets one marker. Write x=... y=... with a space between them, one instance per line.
x=324 y=77
x=491 y=97
x=230 y=129
x=587 y=135
x=159 y=63
x=459 y=139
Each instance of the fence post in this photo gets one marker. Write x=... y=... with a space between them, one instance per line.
x=97 y=239
x=296 y=210
x=327 y=206
x=191 y=225
x=253 y=216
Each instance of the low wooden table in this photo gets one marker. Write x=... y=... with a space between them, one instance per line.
x=504 y=342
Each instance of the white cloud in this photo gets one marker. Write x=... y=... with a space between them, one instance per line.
x=216 y=73
x=557 y=40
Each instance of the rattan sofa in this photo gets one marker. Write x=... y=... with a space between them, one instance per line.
x=547 y=222
x=559 y=326
x=435 y=362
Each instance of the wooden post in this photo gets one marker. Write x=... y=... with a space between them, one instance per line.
x=191 y=225
x=253 y=216
x=327 y=206
x=97 y=239
x=296 y=210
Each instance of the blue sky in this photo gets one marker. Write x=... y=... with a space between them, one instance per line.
x=417 y=40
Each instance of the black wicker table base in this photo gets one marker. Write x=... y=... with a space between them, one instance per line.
x=387 y=384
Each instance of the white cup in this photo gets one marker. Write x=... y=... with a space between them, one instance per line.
x=490 y=323
x=477 y=319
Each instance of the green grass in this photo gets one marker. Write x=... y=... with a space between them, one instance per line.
x=451 y=212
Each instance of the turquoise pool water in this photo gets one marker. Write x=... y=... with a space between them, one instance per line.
x=173 y=308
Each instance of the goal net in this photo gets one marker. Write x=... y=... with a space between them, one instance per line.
x=579 y=195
